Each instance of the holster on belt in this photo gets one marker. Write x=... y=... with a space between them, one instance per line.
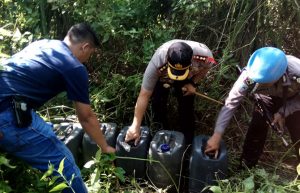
x=22 y=112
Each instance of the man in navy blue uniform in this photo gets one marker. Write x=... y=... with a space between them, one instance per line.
x=28 y=80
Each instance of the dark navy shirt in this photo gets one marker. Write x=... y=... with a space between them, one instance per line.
x=42 y=70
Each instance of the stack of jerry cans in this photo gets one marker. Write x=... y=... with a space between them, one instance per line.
x=133 y=167
x=167 y=147
x=205 y=169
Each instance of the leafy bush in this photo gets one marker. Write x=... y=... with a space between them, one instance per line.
x=101 y=175
x=115 y=99
x=255 y=180
x=12 y=170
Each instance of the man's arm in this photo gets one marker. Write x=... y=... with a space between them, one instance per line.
x=235 y=96
x=139 y=111
x=91 y=125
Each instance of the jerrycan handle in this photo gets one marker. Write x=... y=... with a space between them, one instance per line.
x=104 y=128
x=127 y=146
x=214 y=155
x=211 y=156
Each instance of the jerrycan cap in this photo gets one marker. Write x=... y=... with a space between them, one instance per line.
x=165 y=147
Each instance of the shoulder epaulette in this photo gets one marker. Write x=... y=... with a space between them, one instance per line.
x=164 y=67
x=297 y=79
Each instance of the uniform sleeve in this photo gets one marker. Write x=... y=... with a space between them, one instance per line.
x=151 y=74
x=200 y=50
x=77 y=85
x=232 y=102
x=292 y=105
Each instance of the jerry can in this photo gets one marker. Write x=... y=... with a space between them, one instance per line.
x=167 y=147
x=89 y=147
x=205 y=169
x=71 y=134
x=136 y=168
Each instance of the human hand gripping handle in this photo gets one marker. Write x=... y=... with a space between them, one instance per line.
x=133 y=133
x=213 y=144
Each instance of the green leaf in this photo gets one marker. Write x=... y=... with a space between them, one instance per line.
x=48 y=172
x=73 y=176
x=95 y=177
x=105 y=100
x=59 y=187
x=5 y=32
x=111 y=156
x=53 y=180
x=98 y=154
x=249 y=184
x=119 y=172
x=298 y=169
x=215 y=189
x=17 y=35
x=4 y=187
x=105 y=38
x=61 y=166
x=4 y=160
x=261 y=172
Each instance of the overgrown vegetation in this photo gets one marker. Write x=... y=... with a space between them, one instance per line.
x=130 y=31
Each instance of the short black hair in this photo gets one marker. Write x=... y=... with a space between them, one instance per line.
x=83 y=32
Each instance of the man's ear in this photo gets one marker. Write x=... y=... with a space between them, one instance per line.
x=85 y=45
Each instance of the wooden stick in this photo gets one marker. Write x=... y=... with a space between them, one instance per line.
x=204 y=96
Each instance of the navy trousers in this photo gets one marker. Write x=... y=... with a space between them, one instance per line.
x=185 y=109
